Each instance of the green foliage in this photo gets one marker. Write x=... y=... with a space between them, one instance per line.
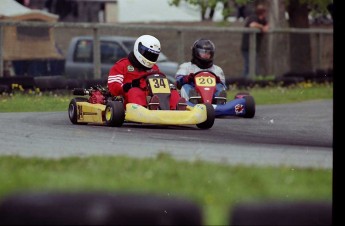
x=316 y=6
x=205 y=4
x=319 y=3
x=242 y=1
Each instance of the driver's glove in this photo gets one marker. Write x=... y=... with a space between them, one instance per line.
x=218 y=80
x=188 y=78
x=126 y=87
x=134 y=83
x=191 y=77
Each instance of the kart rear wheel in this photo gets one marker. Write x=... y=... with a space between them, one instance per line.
x=250 y=107
x=210 y=117
x=114 y=114
x=72 y=110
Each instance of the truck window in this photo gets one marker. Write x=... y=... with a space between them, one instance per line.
x=111 y=52
x=83 y=51
x=129 y=45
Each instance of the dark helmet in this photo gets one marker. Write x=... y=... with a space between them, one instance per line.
x=203 y=53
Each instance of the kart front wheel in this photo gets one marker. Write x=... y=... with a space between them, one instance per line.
x=250 y=107
x=72 y=110
x=210 y=117
x=114 y=114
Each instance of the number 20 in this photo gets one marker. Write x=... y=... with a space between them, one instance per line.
x=204 y=81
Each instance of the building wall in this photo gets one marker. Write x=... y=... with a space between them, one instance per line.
x=111 y=12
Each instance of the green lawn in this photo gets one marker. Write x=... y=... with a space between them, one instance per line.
x=216 y=188
x=50 y=101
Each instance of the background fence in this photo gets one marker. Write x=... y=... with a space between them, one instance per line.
x=274 y=58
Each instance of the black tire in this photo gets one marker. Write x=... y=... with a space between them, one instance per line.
x=73 y=83
x=4 y=89
x=72 y=110
x=114 y=114
x=211 y=115
x=74 y=208
x=50 y=82
x=281 y=213
x=240 y=94
x=250 y=107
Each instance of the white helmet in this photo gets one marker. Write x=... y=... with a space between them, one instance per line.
x=147 y=49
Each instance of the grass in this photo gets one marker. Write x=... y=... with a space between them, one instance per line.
x=216 y=188
x=34 y=102
x=293 y=94
x=19 y=102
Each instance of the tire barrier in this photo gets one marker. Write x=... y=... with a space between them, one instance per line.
x=45 y=83
x=282 y=213
x=100 y=208
x=10 y=83
x=97 y=209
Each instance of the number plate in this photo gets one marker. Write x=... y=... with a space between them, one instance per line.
x=159 y=85
x=205 y=81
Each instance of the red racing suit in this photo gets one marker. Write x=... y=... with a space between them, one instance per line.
x=123 y=72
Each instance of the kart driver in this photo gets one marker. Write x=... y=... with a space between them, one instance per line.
x=125 y=75
x=202 y=60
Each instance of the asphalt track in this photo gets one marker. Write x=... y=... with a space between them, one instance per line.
x=292 y=135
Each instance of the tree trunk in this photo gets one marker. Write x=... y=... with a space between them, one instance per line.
x=278 y=60
x=203 y=6
x=211 y=14
x=300 y=44
x=203 y=12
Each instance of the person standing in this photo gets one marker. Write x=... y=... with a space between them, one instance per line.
x=259 y=21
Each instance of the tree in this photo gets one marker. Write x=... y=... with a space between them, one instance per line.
x=300 y=46
x=298 y=12
x=207 y=7
x=295 y=14
x=299 y=57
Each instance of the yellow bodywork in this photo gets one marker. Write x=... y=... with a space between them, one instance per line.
x=194 y=115
x=91 y=113
x=95 y=113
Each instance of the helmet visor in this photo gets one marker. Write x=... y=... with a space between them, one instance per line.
x=149 y=54
x=205 y=54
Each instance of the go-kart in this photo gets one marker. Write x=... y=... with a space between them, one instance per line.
x=111 y=110
x=243 y=105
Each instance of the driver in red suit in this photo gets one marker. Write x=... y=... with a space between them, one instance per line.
x=124 y=78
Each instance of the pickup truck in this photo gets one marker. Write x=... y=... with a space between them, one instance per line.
x=79 y=58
